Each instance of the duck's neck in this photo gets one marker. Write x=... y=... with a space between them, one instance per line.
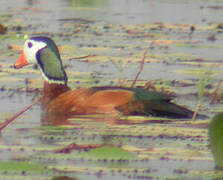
x=52 y=90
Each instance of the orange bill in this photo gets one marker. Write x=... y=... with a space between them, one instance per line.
x=21 y=61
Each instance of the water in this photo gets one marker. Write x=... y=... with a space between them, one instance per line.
x=118 y=33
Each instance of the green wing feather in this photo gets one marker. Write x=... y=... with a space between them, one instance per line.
x=143 y=94
x=159 y=104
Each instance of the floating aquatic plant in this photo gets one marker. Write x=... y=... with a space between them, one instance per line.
x=216 y=139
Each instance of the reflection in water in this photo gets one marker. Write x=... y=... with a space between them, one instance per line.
x=54 y=119
x=63 y=178
x=62 y=120
x=66 y=120
x=32 y=2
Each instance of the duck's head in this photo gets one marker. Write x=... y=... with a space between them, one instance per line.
x=43 y=52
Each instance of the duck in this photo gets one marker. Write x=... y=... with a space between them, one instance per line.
x=215 y=134
x=59 y=98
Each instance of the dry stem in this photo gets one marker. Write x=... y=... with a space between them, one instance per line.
x=214 y=97
x=196 y=111
x=141 y=68
x=9 y=120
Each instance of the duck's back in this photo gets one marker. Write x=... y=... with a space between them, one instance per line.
x=116 y=100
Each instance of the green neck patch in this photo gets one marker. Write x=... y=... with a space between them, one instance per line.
x=51 y=65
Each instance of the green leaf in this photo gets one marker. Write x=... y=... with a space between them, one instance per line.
x=216 y=139
x=20 y=166
x=109 y=152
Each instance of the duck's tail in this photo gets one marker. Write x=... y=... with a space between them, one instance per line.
x=168 y=109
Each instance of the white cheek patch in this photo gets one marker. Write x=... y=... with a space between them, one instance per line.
x=30 y=52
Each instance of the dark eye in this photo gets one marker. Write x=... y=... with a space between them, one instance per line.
x=30 y=44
